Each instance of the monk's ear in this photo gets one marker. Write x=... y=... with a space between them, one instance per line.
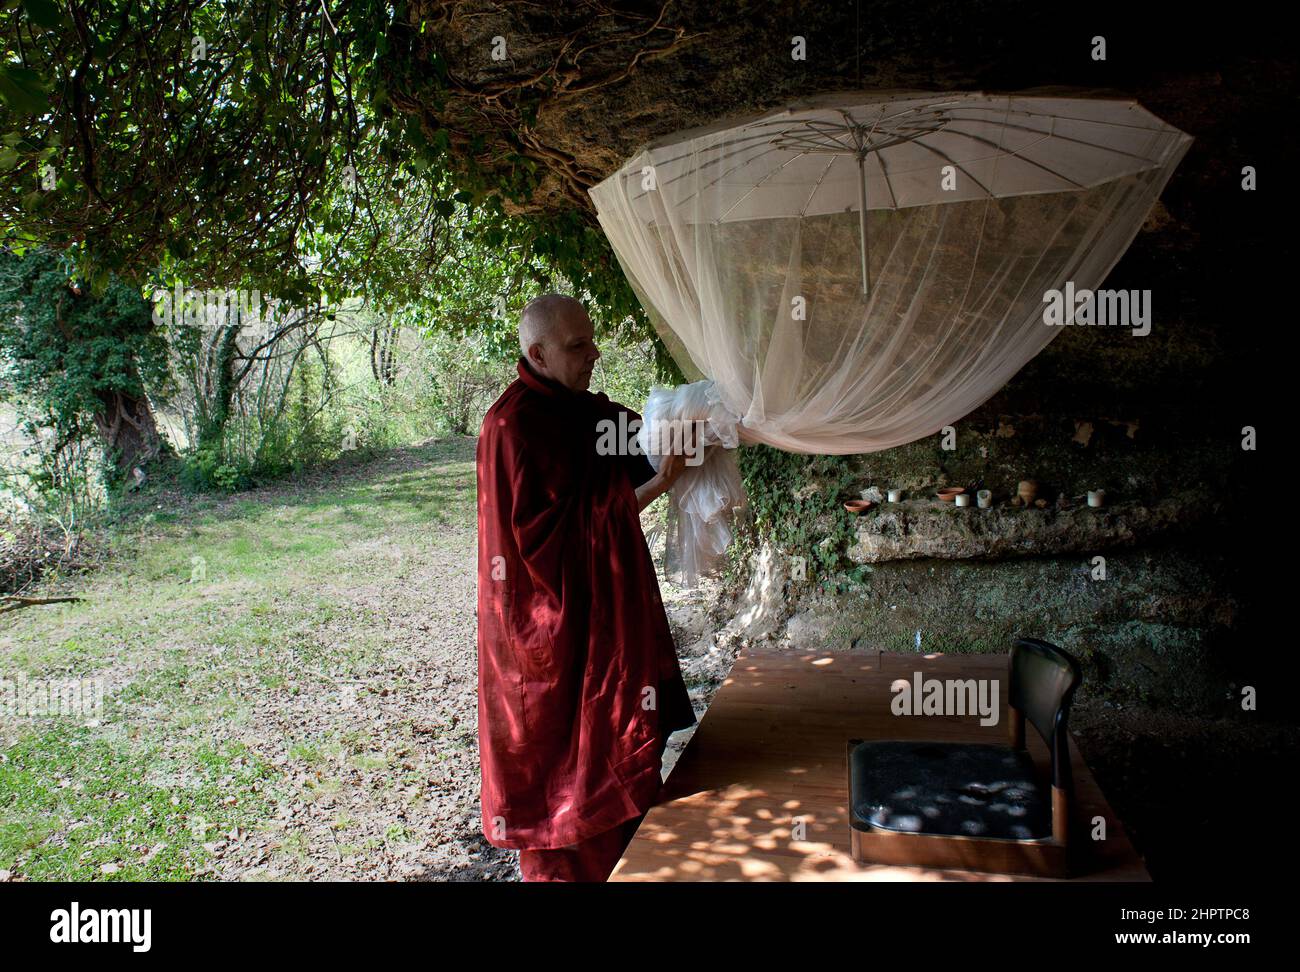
x=535 y=355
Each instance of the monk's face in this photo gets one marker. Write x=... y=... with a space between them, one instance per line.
x=570 y=353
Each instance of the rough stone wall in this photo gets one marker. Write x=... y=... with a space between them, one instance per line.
x=582 y=85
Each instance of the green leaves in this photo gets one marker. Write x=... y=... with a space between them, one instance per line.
x=787 y=491
x=43 y=13
x=23 y=90
x=246 y=181
x=70 y=349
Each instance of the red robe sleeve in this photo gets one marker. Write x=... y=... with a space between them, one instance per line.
x=579 y=682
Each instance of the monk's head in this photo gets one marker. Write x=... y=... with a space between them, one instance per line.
x=557 y=339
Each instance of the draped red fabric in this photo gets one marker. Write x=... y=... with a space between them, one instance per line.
x=579 y=683
x=590 y=860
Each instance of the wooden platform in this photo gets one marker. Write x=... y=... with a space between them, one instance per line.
x=771 y=751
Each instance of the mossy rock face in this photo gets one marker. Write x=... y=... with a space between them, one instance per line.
x=1150 y=663
x=1152 y=631
x=931 y=528
x=1159 y=629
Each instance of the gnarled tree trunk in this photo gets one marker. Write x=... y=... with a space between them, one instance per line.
x=130 y=435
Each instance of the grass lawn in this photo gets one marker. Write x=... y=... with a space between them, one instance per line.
x=287 y=679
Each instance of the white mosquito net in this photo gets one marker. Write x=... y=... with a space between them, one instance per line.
x=857 y=272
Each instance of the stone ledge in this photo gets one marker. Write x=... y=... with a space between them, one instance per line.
x=920 y=528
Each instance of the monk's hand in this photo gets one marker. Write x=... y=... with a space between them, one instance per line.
x=674 y=464
x=671 y=468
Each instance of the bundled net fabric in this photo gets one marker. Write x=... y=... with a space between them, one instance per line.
x=691 y=420
x=857 y=272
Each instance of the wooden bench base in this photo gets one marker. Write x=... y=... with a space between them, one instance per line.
x=1044 y=858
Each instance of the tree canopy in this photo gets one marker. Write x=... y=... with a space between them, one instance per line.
x=249 y=143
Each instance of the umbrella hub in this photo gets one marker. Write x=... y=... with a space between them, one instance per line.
x=860 y=138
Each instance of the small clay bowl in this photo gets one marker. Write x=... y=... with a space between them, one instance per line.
x=951 y=493
x=858 y=506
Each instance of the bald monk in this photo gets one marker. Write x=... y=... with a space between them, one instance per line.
x=579 y=683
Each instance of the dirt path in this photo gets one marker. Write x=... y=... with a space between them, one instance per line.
x=419 y=707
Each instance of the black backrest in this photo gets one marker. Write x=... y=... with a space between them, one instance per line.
x=1042 y=683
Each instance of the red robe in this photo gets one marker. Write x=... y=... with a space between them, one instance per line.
x=571 y=627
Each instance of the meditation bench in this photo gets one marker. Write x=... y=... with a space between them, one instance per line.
x=971 y=805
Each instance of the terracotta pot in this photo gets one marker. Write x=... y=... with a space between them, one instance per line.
x=950 y=493
x=1027 y=491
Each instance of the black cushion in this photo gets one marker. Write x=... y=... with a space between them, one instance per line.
x=947 y=788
